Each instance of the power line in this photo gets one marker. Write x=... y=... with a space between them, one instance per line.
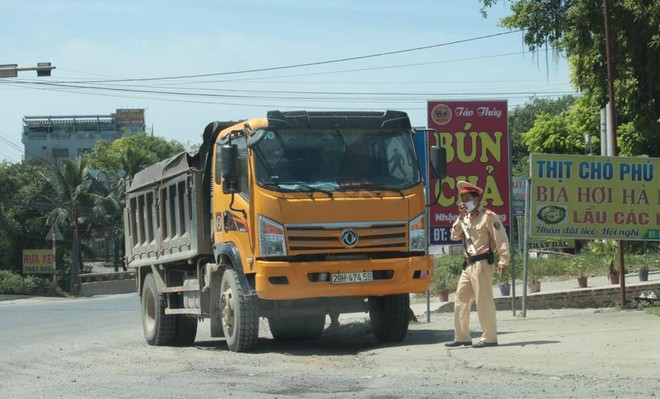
x=539 y=94
x=195 y=82
x=283 y=92
x=307 y=64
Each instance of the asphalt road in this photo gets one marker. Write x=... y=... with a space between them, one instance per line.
x=93 y=348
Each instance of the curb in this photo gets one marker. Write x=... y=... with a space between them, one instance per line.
x=582 y=298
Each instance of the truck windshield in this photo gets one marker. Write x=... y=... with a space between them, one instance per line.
x=336 y=159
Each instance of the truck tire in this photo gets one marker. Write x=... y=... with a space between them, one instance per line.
x=159 y=328
x=186 y=330
x=389 y=317
x=240 y=316
x=301 y=327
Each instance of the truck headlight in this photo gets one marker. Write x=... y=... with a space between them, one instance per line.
x=417 y=234
x=271 y=238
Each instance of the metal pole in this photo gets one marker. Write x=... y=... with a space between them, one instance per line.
x=427 y=224
x=512 y=250
x=603 y=131
x=613 y=140
x=54 y=272
x=526 y=244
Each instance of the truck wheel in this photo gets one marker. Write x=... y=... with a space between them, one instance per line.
x=186 y=330
x=389 y=317
x=301 y=327
x=240 y=317
x=158 y=328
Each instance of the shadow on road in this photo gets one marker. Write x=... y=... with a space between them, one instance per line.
x=347 y=339
x=525 y=343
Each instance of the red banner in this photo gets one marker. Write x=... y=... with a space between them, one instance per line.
x=475 y=135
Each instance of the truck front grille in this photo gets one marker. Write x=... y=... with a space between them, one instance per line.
x=327 y=238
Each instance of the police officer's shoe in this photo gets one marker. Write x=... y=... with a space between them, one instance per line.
x=454 y=344
x=484 y=344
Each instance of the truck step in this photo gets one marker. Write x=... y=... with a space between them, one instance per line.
x=181 y=288
x=183 y=311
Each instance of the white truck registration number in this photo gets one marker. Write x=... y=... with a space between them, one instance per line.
x=357 y=277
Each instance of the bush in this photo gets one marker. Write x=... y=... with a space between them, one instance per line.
x=13 y=284
x=447 y=270
x=607 y=249
x=10 y=283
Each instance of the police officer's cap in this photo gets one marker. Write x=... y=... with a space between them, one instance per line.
x=465 y=187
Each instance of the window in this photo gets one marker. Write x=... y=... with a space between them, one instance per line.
x=60 y=152
x=336 y=159
x=241 y=143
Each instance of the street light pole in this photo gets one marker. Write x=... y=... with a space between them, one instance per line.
x=12 y=70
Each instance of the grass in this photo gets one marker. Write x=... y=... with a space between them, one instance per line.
x=655 y=310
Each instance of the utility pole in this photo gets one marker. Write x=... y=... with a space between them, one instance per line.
x=612 y=138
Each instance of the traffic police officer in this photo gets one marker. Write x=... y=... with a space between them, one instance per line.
x=482 y=234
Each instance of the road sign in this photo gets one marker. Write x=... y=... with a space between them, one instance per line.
x=54 y=230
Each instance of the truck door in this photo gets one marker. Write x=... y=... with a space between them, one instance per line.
x=231 y=214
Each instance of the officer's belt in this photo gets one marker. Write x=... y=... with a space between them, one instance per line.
x=471 y=260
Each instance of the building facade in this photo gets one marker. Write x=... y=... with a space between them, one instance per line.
x=56 y=138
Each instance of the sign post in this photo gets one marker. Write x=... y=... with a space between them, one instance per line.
x=54 y=234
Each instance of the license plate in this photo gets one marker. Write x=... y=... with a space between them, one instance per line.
x=357 y=277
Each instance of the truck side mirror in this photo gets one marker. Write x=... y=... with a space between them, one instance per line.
x=230 y=169
x=438 y=162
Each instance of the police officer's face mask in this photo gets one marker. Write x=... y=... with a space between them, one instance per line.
x=469 y=205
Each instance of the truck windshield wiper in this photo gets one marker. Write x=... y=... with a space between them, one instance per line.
x=358 y=185
x=313 y=189
x=294 y=187
x=277 y=186
x=380 y=187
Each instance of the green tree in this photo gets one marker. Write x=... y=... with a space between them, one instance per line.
x=576 y=29
x=72 y=204
x=521 y=120
x=118 y=162
x=130 y=154
x=109 y=202
x=22 y=206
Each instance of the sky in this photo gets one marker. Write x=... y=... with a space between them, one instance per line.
x=259 y=55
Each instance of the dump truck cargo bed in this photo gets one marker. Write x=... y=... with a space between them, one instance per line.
x=166 y=216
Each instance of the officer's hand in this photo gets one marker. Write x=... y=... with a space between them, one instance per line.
x=462 y=211
x=501 y=269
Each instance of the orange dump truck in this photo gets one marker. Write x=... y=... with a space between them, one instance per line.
x=289 y=217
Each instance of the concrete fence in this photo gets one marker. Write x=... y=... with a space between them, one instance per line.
x=107 y=283
x=596 y=297
x=590 y=297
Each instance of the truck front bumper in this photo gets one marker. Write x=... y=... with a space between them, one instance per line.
x=288 y=280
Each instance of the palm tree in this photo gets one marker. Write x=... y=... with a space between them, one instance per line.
x=109 y=202
x=72 y=205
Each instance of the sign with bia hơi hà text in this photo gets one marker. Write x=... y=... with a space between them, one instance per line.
x=595 y=197
x=475 y=135
x=38 y=260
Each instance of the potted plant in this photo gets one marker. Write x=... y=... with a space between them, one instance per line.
x=643 y=272
x=607 y=249
x=505 y=286
x=439 y=285
x=445 y=278
x=580 y=266
x=534 y=283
